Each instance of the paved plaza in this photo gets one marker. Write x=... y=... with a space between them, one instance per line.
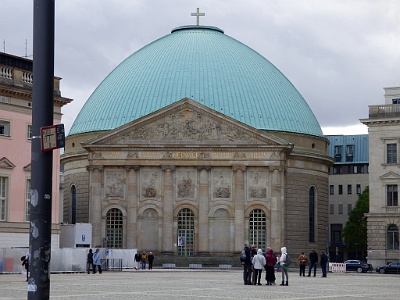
x=204 y=284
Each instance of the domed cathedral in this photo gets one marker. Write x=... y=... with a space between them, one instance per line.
x=193 y=146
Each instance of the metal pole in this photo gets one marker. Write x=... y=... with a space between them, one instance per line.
x=41 y=162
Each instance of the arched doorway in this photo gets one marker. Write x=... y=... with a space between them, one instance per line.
x=114 y=228
x=185 y=232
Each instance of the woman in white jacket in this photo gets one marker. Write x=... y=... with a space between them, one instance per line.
x=284 y=266
x=258 y=262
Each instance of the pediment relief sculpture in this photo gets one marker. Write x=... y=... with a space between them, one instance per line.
x=187 y=123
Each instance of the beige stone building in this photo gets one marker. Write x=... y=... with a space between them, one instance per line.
x=384 y=179
x=178 y=153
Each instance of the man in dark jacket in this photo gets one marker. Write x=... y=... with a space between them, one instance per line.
x=138 y=258
x=246 y=263
x=313 y=262
x=324 y=262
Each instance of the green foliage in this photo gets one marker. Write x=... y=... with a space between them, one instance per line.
x=355 y=230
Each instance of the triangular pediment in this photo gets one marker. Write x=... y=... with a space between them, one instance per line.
x=5 y=163
x=390 y=175
x=183 y=123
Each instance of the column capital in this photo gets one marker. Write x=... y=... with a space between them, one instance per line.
x=207 y=168
x=128 y=168
x=237 y=168
x=166 y=168
x=92 y=168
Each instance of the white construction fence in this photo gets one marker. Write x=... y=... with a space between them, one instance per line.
x=68 y=259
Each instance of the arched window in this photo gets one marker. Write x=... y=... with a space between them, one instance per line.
x=114 y=229
x=392 y=237
x=73 y=204
x=185 y=232
x=257 y=228
x=311 y=215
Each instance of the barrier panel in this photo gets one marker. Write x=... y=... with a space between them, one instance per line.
x=337 y=267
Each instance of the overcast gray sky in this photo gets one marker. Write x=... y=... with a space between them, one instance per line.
x=338 y=53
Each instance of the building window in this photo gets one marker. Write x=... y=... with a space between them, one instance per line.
x=349 y=208
x=4 y=128
x=257 y=228
x=355 y=169
x=311 y=215
x=114 y=228
x=29 y=132
x=331 y=209
x=3 y=198
x=185 y=232
x=393 y=237
x=358 y=189
x=336 y=169
x=349 y=152
x=340 y=189
x=340 y=209
x=336 y=233
x=27 y=199
x=338 y=153
x=396 y=101
x=391 y=153
x=331 y=189
x=349 y=190
x=392 y=195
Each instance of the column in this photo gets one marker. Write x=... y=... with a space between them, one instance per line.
x=95 y=210
x=277 y=207
x=168 y=210
x=131 y=207
x=239 y=198
x=204 y=198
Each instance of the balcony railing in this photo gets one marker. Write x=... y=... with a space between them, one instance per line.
x=384 y=111
x=392 y=209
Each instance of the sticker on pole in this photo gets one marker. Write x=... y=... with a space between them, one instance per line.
x=52 y=137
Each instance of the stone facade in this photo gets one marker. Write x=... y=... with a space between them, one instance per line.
x=187 y=163
x=384 y=179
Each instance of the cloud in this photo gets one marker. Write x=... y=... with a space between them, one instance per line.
x=339 y=54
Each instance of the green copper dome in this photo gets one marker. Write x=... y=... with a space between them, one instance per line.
x=203 y=64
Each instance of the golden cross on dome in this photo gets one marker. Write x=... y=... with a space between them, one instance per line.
x=198 y=14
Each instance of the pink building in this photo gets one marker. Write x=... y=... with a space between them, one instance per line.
x=15 y=151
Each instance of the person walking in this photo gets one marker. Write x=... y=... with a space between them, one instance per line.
x=324 y=262
x=150 y=258
x=97 y=261
x=245 y=259
x=258 y=262
x=138 y=258
x=285 y=268
x=303 y=260
x=25 y=263
x=89 y=261
x=313 y=262
x=270 y=260
x=143 y=260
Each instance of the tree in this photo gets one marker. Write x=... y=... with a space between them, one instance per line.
x=355 y=230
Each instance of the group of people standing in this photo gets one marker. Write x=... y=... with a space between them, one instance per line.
x=141 y=259
x=303 y=261
x=254 y=261
x=93 y=261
